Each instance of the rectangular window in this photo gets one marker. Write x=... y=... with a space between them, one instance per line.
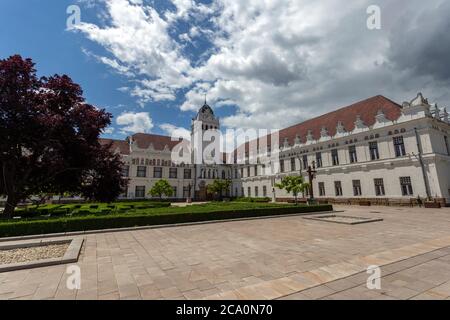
x=399 y=146
x=235 y=173
x=248 y=171
x=139 y=192
x=373 y=149
x=379 y=187
x=305 y=162
x=335 y=157
x=141 y=171
x=292 y=164
x=264 y=191
x=446 y=145
x=256 y=170
x=352 y=154
x=157 y=172
x=319 y=159
x=249 y=192
x=126 y=171
x=356 y=188
x=187 y=173
x=242 y=192
x=173 y=173
x=185 y=192
x=281 y=165
x=405 y=184
x=338 y=188
x=256 y=191
x=321 y=189
x=174 y=195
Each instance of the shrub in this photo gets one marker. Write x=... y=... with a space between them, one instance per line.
x=249 y=199
x=91 y=222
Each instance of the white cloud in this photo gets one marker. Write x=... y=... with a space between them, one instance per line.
x=175 y=132
x=132 y=122
x=138 y=38
x=109 y=130
x=279 y=61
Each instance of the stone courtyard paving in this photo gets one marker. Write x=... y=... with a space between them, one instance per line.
x=275 y=258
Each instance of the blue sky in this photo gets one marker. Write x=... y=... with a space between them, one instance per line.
x=37 y=29
x=263 y=64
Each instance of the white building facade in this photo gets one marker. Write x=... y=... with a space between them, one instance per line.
x=373 y=151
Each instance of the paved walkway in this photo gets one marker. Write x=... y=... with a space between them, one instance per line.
x=286 y=257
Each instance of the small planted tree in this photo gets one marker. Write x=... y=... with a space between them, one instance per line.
x=218 y=187
x=294 y=185
x=161 y=188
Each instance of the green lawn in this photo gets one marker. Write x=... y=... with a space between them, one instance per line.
x=130 y=214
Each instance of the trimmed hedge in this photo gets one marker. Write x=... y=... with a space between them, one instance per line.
x=58 y=210
x=250 y=199
x=68 y=224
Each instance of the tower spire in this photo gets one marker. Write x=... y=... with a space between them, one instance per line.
x=205 y=98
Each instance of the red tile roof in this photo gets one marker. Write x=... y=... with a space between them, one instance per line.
x=122 y=145
x=366 y=109
x=143 y=141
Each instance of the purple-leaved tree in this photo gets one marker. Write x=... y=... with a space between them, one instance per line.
x=49 y=138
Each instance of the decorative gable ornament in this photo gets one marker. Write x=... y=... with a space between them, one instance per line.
x=417 y=108
x=297 y=140
x=340 y=129
x=360 y=126
x=419 y=100
x=309 y=137
x=324 y=134
x=286 y=143
x=436 y=112
x=445 y=115
x=381 y=120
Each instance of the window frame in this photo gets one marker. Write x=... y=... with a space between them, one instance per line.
x=379 y=187
x=374 y=151
x=155 y=170
x=141 y=171
x=399 y=146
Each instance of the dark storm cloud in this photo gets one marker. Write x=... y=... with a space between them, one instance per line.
x=420 y=42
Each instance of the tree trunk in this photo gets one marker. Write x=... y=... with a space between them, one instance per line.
x=10 y=206
x=295 y=196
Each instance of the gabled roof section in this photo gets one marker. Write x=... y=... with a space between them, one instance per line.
x=121 y=145
x=366 y=109
x=143 y=141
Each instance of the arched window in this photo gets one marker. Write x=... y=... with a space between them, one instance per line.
x=223 y=174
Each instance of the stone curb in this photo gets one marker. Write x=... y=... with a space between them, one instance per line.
x=70 y=256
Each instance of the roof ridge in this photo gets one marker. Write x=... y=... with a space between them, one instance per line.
x=342 y=108
x=151 y=134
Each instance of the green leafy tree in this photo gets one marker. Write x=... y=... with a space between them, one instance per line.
x=294 y=185
x=219 y=186
x=161 y=188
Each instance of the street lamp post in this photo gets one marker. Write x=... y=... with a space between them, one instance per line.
x=300 y=171
x=188 y=198
x=311 y=175
x=272 y=181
